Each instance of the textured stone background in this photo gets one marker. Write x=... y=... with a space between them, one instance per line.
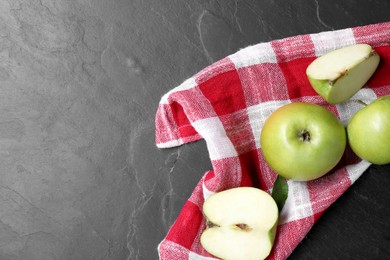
x=80 y=176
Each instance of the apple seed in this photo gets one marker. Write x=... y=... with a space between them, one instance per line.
x=243 y=227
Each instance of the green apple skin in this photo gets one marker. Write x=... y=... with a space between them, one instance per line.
x=344 y=81
x=302 y=141
x=368 y=132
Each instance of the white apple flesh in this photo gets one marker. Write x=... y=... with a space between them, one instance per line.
x=338 y=75
x=241 y=224
x=302 y=141
x=368 y=131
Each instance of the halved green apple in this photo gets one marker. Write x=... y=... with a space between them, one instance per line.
x=241 y=224
x=338 y=75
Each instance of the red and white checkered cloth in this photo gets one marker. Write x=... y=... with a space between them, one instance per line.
x=227 y=103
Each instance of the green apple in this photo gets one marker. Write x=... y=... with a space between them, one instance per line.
x=241 y=223
x=302 y=141
x=368 y=131
x=338 y=75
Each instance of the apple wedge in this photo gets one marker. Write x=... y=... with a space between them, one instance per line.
x=338 y=75
x=241 y=224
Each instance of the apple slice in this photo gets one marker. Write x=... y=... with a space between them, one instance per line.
x=241 y=224
x=339 y=74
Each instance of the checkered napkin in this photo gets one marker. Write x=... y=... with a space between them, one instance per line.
x=227 y=103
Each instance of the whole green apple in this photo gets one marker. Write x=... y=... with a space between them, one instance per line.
x=368 y=131
x=302 y=141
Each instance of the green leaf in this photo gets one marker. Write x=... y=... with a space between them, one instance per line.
x=280 y=191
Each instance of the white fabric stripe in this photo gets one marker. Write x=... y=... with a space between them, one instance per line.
x=298 y=203
x=259 y=113
x=331 y=40
x=218 y=143
x=347 y=109
x=256 y=54
x=206 y=192
x=356 y=170
x=170 y=246
x=170 y=144
x=194 y=256
x=188 y=84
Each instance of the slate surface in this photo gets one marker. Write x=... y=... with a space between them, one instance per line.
x=80 y=176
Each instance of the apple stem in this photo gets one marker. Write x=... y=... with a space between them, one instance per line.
x=361 y=102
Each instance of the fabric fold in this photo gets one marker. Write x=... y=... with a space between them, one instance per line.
x=227 y=103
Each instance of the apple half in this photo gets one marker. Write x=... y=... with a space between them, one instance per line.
x=241 y=224
x=338 y=75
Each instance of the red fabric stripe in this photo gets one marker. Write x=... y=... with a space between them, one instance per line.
x=294 y=54
x=251 y=174
x=166 y=128
x=238 y=129
x=263 y=82
x=185 y=229
x=293 y=48
x=294 y=72
x=223 y=101
x=268 y=175
x=288 y=236
x=336 y=182
x=382 y=91
x=215 y=69
x=381 y=75
x=374 y=34
x=227 y=174
x=184 y=125
x=172 y=251
x=318 y=215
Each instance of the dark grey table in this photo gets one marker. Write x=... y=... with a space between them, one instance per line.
x=80 y=176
